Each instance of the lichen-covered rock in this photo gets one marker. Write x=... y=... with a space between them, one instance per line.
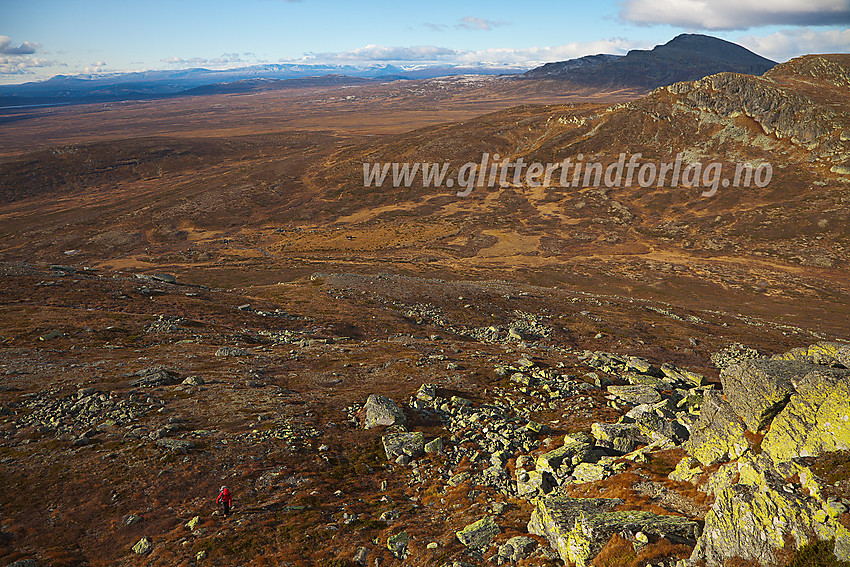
x=758 y=389
x=734 y=353
x=427 y=392
x=517 y=548
x=480 y=534
x=655 y=427
x=753 y=521
x=635 y=394
x=718 y=436
x=830 y=353
x=559 y=462
x=400 y=443
x=381 y=410
x=721 y=479
x=816 y=419
x=533 y=483
x=682 y=375
x=799 y=354
x=687 y=470
x=434 y=446
x=143 y=546
x=642 y=366
x=181 y=446
x=578 y=528
x=590 y=472
x=397 y=544
x=623 y=437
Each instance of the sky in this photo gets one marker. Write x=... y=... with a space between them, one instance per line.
x=43 y=38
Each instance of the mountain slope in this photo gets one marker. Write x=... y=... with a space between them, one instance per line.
x=686 y=57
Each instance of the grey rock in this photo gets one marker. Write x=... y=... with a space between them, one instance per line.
x=165 y=278
x=153 y=377
x=479 y=535
x=636 y=394
x=361 y=557
x=434 y=446
x=231 y=351
x=578 y=528
x=718 y=436
x=410 y=444
x=381 y=410
x=517 y=548
x=758 y=389
x=753 y=521
x=176 y=445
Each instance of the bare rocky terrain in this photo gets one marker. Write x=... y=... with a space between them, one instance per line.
x=202 y=292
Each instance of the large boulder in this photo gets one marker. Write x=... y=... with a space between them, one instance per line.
x=479 y=535
x=578 y=528
x=758 y=389
x=718 y=436
x=381 y=410
x=635 y=393
x=653 y=426
x=816 y=419
x=754 y=518
x=622 y=437
x=559 y=462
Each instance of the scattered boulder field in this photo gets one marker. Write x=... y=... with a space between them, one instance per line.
x=425 y=439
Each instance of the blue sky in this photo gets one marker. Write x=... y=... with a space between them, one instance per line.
x=42 y=38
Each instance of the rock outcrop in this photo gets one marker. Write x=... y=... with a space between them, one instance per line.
x=766 y=500
x=758 y=389
x=755 y=518
x=578 y=528
x=816 y=419
x=718 y=436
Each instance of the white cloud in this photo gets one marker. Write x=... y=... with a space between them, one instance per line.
x=736 y=14
x=25 y=65
x=20 y=60
x=496 y=57
x=788 y=43
x=96 y=67
x=26 y=48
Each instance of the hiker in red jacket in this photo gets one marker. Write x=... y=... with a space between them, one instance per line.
x=224 y=500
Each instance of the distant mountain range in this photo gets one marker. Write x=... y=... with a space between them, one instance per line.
x=686 y=57
x=76 y=89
